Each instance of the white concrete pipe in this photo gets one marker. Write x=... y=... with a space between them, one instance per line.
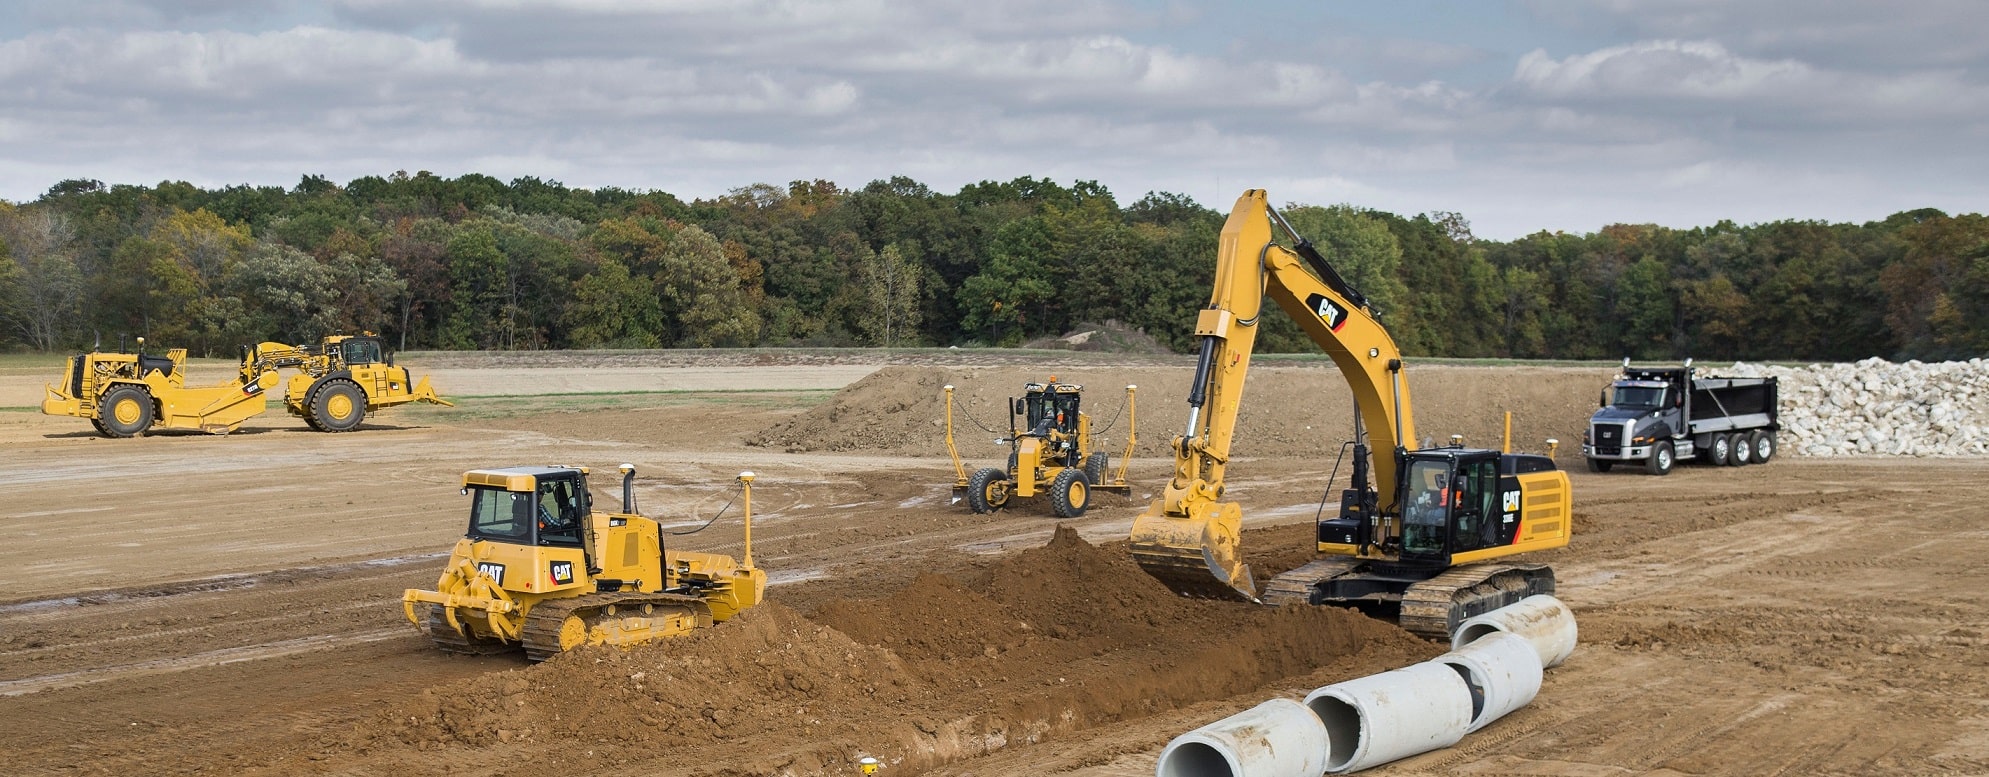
x=1502 y=671
x=1279 y=738
x=1543 y=620
x=1377 y=719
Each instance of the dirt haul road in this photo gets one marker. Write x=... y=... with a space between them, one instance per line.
x=185 y=603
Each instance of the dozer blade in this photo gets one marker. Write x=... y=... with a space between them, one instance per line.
x=424 y=393
x=1198 y=557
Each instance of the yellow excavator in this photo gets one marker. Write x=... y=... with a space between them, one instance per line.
x=540 y=568
x=1422 y=533
x=337 y=382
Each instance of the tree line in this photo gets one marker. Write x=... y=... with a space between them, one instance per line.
x=477 y=263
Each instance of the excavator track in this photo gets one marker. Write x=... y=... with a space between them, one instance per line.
x=1433 y=608
x=624 y=618
x=447 y=638
x=1300 y=585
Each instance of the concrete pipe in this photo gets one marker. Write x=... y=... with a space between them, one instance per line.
x=1543 y=620
x=1279 y=738
x=1377 y=719
x=1502 y=671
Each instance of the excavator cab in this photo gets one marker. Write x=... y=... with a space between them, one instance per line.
x=1451 y=504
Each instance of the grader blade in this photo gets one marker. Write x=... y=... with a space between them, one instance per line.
x=1196 y=557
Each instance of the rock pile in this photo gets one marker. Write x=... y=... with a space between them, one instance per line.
x=1878 y=407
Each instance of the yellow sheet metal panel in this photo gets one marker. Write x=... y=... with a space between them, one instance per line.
x=497 y=478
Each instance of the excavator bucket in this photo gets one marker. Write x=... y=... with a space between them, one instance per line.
x=1196 y=557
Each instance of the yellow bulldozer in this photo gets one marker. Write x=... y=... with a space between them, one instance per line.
x=542 y=569
x=336 y=383
x=1053 y=453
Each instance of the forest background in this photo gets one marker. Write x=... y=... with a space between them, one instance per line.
x=477 y=263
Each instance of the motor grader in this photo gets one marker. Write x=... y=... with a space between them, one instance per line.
x=540 y=568
x=1053 y=453
x=337 y=382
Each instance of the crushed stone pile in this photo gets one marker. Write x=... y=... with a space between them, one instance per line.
x=1876 y=407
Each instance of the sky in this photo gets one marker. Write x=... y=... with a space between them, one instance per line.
x=1521 y=115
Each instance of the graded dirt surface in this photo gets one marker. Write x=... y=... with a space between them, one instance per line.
x=184 y=603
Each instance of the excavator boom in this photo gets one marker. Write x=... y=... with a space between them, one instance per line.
x=1187 y=538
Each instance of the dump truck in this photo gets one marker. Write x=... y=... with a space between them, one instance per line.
x=540 y=569
x=334 y=384
x=1655 y=416
x=1054 y=453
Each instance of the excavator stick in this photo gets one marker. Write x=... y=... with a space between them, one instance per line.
x=1201 y=558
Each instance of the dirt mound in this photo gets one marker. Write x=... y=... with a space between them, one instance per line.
x=1109 y=337
x=1295 y=409
x=1052 y=640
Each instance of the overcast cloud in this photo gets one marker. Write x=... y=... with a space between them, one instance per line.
x=1522 y=115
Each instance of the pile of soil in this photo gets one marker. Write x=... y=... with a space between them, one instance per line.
x=1053 y=640
x=1109 y=337
x=1289 y=410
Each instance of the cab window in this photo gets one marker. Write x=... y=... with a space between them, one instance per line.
x=361 y=351
x=1427 y=511
x=558 y=513
x=1639 y=397
x=1477 y=512
x=496 y=514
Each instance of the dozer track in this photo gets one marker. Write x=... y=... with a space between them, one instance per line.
x=1433 y=608
x=623 y=618
x=1299 y=585
x=446 y=637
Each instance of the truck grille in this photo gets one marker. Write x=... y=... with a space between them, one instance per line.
x=1607 y=438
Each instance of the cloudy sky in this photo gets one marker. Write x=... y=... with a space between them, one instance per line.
x=1522 y=115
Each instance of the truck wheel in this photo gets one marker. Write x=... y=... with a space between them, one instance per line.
x=339 y=406
x=1764 y=446
x=1720 y=450
x=1095 y=467
x=126 y=411
x=1070 y=493
x=987 y=490
x=1660 y=461
x=1598 y=465
x=1743 y=449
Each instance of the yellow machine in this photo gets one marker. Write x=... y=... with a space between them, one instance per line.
x=337 y=382
x=1054 y=456
x=1418 y=530
x=539 y=567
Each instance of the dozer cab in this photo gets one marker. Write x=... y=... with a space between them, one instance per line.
x=1425 y=533
x=337 y=382
x=540 y=568
x=1053 y=452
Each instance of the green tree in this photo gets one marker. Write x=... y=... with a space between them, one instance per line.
x=703 y=293
x=613 y=309
x=892 y=285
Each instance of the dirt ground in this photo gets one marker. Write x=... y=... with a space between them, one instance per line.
x=182 y=603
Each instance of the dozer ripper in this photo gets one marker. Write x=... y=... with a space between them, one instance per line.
x=336 y=383
x=1421 y=533
x=540 y=568
x=1053 y=453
